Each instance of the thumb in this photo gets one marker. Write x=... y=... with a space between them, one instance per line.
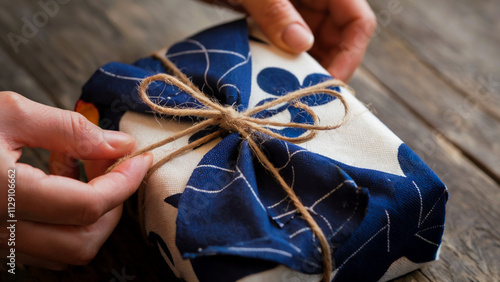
x=281 y=23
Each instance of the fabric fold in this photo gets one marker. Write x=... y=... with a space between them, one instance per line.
x=249 y=212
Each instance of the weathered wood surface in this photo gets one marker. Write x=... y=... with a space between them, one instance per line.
x=457 y=110
x=431 y=74
x=471 y=245
x=458 y=40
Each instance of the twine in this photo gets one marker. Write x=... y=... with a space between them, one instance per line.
x=229 y=120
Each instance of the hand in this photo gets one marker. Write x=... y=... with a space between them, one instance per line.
x=341 y=29
x=61 y=220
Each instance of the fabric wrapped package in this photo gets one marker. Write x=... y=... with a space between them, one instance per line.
x=216 y=214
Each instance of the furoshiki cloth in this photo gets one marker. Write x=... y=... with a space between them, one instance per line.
x=216 y=214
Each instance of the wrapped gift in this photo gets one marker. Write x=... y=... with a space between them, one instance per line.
x=216 y=212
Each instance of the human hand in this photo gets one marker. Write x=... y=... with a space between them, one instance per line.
x=341 y=29
x=61 y=220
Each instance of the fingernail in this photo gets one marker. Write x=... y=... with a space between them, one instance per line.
x=116 y=139
x=297 y=37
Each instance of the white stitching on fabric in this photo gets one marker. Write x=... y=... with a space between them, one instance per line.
x=267 y=250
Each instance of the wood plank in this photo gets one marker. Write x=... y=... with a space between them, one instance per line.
x=475 y=133
x=459 y=40
x=14 y=78
x=470 y=249
x=81 y=36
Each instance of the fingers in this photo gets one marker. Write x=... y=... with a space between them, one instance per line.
x=349 y=53
x=62 y=220
x=96 y=168
x=281 y=23
x=61 y=200
x=343 y=29
x=63 y=165
x=35 y=125
x=358 y=23
x=345 y=11
x=75 y=245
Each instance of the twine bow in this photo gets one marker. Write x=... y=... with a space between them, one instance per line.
x=230 y=120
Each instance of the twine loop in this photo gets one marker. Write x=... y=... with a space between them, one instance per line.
x=229 y=120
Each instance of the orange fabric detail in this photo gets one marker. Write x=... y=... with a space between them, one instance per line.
x=88 y=110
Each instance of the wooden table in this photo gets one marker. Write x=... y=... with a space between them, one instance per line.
x=431 y=74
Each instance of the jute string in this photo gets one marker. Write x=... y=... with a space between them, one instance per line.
x=230 y=120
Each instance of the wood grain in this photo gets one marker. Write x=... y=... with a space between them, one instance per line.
x=431 y=74
x=471 y=238
x=84 y=35
x=458 y=40
x=473 y=131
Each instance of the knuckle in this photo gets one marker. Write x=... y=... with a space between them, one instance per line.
x=86 y=252
x=81 y=132
x=13 y=110
x=80 y=126
x=86 y=245
x=276 y=9
x=8 y=95
x=11 y=100
x=370 y=22
x=91 y=211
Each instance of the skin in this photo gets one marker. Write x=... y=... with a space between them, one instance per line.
x=64 y=221
x=61 y=220
x=336 y=32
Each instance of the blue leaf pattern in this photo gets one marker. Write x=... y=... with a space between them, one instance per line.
x=279 y=82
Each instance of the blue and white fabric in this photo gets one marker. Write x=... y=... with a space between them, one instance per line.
x=217 y=215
